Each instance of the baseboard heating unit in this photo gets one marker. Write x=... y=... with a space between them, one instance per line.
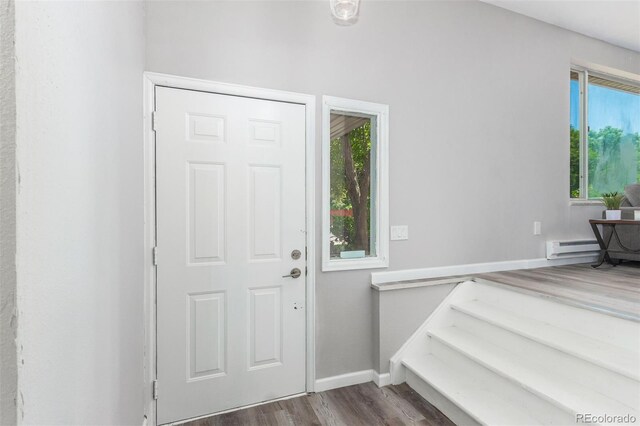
x=572 y=248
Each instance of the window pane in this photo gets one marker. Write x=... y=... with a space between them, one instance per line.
x=352 y=146
x=614 y=140
x=574 y=137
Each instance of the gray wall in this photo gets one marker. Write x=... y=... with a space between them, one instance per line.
x=479 y=101
x=8 y=320
x=80 y=212
x=397 y=314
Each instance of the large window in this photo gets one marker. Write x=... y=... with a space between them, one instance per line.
x=604 y=134
x=355 y=228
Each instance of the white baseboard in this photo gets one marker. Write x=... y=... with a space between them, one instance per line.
x=472 y=268
x=355 y=378
x=381 y=380
x=343 y=380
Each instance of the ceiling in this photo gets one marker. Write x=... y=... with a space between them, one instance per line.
x=342 y=124
x=613 y=21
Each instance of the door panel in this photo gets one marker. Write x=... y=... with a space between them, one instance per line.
x=230 y=182
x=264 y=226
x=206 y=213
x=207 y=344
x=265 y=344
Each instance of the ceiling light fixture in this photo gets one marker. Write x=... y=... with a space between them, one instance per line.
x=344 y=10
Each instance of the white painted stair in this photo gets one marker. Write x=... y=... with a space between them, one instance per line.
x=495 y=355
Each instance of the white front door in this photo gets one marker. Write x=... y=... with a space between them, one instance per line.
x=230 y=181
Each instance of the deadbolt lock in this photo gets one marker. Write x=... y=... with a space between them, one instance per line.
x=296 y=254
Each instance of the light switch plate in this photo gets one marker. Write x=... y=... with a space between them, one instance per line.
x=537 y=228
x=399 y=232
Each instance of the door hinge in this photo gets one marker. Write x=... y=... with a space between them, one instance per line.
x=153 y=120
x=155 y=256
x=155 y=389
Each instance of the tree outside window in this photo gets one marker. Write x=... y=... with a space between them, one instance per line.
x=606 y=157
x=350 y=185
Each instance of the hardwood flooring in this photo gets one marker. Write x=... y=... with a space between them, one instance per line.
x=612 y=289
x=615 y=290
x=359 y=405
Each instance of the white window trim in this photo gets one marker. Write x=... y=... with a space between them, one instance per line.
x=381 y=260
x=585 y=69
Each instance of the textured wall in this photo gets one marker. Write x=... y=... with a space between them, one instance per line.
x=80 y=209
x=8 y=320
x=479 y=107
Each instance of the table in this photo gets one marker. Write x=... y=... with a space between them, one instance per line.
x=604 y=245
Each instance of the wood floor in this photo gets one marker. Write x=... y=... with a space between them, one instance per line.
x=610 y=289
x=615 y=290
x=364 y=404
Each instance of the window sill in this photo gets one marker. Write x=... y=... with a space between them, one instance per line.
x=582 y=202
x=352 y=264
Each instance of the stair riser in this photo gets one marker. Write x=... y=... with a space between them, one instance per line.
x=513 y=377
x=607 y=328
x=451 y=410
x=600 y=379
x=523 y=399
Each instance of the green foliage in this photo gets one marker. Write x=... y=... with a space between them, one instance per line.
x=610 y=169
x=360 y=139
x=344 y=228
x=610 y=164
x=612 y=200
x=574 y=162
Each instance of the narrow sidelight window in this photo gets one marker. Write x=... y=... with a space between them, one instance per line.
x=354 y=184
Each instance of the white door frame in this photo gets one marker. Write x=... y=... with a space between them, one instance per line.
x=150 y=81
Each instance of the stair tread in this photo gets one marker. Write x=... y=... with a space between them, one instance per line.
x=468 y=394
x=561 y=391
x=611 y=357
